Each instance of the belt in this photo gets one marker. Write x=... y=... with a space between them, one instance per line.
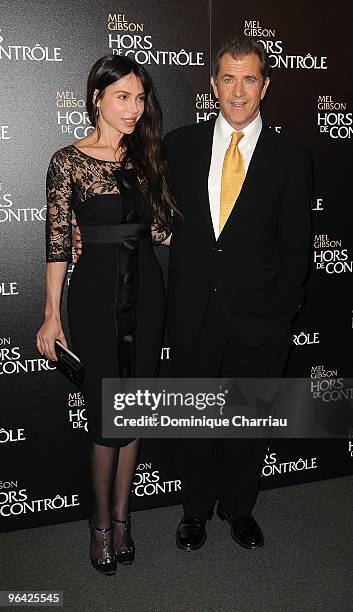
x=105 y=234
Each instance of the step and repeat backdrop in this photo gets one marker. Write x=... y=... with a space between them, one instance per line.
x=46 y=51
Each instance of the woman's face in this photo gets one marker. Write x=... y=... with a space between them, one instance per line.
x=122 y=104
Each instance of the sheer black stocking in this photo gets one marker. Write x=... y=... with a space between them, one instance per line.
x=122 y=488
x=103 y=460
x=111 y=498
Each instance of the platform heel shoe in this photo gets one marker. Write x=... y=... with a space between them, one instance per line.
x=106 y=564
x=126 y=551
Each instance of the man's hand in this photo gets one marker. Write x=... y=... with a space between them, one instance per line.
x=77 y=244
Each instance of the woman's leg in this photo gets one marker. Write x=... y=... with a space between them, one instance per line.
x=122 y=487
x=103 y=460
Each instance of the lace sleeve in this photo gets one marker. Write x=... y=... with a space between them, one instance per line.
x=58 y=220
x=159 y=234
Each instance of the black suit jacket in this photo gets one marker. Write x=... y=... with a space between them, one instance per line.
x=261 y=258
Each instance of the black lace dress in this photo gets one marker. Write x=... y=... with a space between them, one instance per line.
x=116 y=300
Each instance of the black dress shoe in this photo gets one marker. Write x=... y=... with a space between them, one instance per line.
x=191 y=533
x=244 y=530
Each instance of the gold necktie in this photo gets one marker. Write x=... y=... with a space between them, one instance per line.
x=232 y=178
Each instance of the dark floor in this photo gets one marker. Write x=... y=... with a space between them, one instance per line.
x=306 y=563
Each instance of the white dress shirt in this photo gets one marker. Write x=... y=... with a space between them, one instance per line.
x=221 y=140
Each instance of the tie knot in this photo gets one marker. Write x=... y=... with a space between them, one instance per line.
x=236 y=138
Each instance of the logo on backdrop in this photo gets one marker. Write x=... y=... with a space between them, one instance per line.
x=331 y=390
x=329 y=256
x=306 y=338
x=273 y=465
x=165 y=353
x=124 y=40
x=72 y=116
x=9 y=212
x=147 y=482
x=208 y=104
x=70 y=269
x=320 y=371
x=317 y=204
x=275 y=128
x=12 y=435
x=335 y=121
x=7 y=288
x=15 y=500
x=24 y=52
x=12 y=361
x=276 y=49
x=4 y=132
x=77 y=411
x=350 y=442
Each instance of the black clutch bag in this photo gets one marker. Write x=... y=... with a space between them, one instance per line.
x=68 y=363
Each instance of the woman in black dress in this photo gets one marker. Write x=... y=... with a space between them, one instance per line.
x=114 y=182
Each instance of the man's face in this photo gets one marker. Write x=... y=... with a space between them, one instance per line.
x=239 y=88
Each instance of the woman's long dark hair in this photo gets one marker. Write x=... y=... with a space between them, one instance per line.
x=142 y=148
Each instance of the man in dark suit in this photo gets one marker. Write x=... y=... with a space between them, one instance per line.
x=238 y=262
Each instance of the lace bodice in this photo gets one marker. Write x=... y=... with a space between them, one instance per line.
x=73 y=178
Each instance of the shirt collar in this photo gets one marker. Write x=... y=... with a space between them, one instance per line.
x=251 y=132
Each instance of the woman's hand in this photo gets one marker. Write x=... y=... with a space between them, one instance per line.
x=51 y=330
x=77 y=244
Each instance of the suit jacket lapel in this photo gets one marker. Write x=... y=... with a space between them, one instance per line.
x=204 y=152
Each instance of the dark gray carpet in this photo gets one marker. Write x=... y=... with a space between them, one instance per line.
x=306 y=563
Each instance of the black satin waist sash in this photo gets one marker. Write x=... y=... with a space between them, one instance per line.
x=105 y=234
